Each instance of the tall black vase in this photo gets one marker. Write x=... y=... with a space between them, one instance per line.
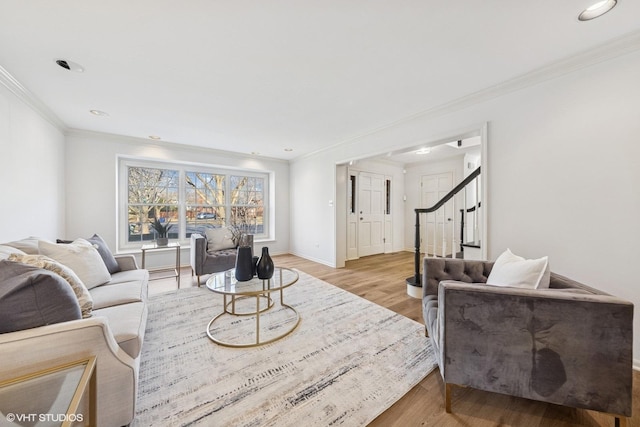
x=265 y=265
x=244 y=264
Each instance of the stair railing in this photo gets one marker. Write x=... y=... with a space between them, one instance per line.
x=415 y=280
x=463 y=235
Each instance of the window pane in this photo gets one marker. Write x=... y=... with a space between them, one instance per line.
x=153 y=193
x=247 y=211
x=205 y=201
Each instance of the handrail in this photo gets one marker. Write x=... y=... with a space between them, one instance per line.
x=451 y=193
x=415 y=280
x=472 y=208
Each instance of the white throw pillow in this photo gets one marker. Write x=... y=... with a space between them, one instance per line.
x=515 y=271
x=82 y=258
x=219 y=239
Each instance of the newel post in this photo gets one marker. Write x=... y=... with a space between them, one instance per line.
x=417 y=254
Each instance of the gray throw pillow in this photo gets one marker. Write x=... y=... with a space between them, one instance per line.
x=105 y=253
x=31 y=297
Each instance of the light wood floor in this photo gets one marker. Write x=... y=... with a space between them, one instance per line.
x=381 y=279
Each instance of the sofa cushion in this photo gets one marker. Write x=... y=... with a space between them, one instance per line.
x=81 y=257
x=515 y=271
x=129 y=276
x=220 y=260
x=28 y=245
x=6 y=250
x=110 y=295
x=31 y=297
x=80 y=290
x=127 y=323
x=219 y=239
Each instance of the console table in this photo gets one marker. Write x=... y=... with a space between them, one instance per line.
x=154 y=247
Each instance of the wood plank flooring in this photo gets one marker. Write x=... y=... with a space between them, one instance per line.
x=381 y=279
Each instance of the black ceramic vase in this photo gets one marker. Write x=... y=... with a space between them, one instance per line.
x=244 y=264
x=265 y=265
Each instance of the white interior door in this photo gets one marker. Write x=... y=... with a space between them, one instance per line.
x=371 y=211
x=437 y=232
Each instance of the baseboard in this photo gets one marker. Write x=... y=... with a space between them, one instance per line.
x=636 y=364
x=310 y=258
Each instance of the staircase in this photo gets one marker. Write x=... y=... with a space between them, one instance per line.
x=466 y=246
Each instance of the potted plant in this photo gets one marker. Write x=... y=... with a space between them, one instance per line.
x=162 y=229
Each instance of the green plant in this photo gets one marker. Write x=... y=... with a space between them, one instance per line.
x=161 y=228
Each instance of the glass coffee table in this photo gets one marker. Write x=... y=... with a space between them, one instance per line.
x=237 y=294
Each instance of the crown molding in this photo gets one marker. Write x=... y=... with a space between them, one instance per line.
x=30 y=99
x=615 y=48
x=176 y=146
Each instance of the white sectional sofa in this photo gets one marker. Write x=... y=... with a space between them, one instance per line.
x=113 y=331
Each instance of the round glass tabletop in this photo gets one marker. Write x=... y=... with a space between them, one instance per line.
x=225 y=283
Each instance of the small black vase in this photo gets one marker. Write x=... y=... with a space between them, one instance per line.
x=244 y=264
x=265 y=265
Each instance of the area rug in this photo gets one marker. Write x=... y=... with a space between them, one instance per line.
x=346 y=363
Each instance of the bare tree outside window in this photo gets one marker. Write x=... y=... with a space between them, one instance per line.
x=247 y=203
x=152 y=193
x=193 y=201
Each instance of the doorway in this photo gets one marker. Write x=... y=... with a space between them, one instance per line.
x=369 y=220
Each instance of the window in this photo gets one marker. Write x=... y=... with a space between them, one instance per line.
x=152 y=193
x=190 y=198
x=387 y=188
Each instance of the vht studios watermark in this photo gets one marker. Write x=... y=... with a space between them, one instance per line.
x=56 y=418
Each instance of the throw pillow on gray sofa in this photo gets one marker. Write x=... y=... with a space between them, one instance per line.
x=31 y=297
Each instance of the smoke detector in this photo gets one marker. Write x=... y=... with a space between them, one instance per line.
x=70 y=65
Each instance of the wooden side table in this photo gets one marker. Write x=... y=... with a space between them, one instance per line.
x=52 y=396
x=154 y=247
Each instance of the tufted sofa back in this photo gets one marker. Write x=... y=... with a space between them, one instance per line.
x=436 y=270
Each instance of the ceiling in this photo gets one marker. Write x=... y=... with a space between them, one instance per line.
x=260 y=76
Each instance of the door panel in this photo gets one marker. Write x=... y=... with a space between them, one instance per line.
x=437 y=233
x=371 y=203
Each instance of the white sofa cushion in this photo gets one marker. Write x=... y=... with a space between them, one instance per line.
x=6 y=250
x=120 y=293
x=129 y=276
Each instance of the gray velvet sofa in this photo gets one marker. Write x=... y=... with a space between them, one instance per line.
x=113 y=331
x=207 y=260
x=569 y=344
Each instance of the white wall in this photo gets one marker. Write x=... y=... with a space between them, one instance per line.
x=91 y=185
x=31 y=172
x=312 y=225
x=561 y=170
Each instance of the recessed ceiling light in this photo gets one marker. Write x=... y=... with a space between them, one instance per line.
x=70 y=65
x=425 y=150
x=98 y=113
x=154 y=137
x=255 y=153
x=597 y=9
x=288 y=149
